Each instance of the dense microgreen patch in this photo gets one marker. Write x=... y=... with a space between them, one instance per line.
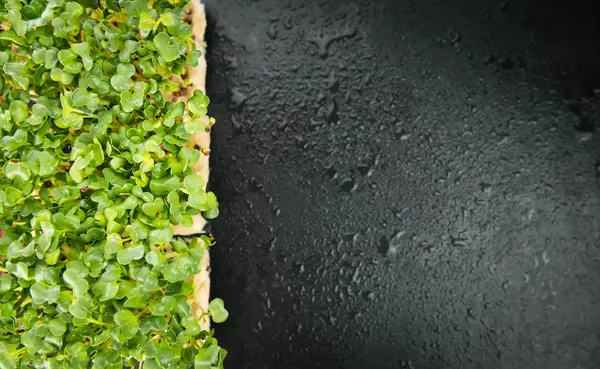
x=95 y=169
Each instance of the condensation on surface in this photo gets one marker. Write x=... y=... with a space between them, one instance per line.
x=406 y=184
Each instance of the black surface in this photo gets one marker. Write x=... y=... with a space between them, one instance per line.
x=407 y=184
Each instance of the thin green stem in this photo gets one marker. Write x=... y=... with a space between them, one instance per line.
x=17 y=352
x=94 y=321
x=171 y=254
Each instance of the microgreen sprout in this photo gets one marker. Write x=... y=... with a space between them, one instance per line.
x=95 y=170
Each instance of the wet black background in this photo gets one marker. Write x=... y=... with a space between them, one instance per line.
x=407 y=184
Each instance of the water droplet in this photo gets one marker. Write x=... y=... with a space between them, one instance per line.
x=331 y=114
x=322 y=41
x=272 y=32
x=356 y=275
x=458 y=241
x=389 y=247
x=237 y=98
x=236 y=126
x=401 y=133
x=331 y=172
x=365 y=170
x=369 y=295
x=545 y=257
x=316 y=123
x=352 y=237
x=272 y=243
x=405 y=136
x=349 y=185
x=287 y=23
x=453 y=36
x=406 y=364
x=301 y=142
x=254 y=185
x=584 y=136
x=333 y=83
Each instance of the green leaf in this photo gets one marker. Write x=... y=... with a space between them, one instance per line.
x=77 y=271
x=211 y=200
x=13 y=170
x=129 y=48
x=78 y=352
x=18 y=25
x=68 y=24
x=125 y=256
x=191 y=325
x=161 y=187
x=194 y=126
x=197 y=200
x=125 y=318
x=19 y=111
x=69 y=61
x=217 y=310
x=112 y=273
x=135 y=7
x=105 y=290
x=83 y=98
x=20 y=270
x=41 y=293
x=87 y=159
x=12 y=196
x=31 y=341
x=146 y=24
x=114 y=244
x=12 y=143
x=42 y=163
x=60 y=75
x=161 y=236
x=180 y=269
x=5 y=283
x=208 y=357
x=198 y=104
x=66 y=221
x=131 y=100
x=138 y=231
x=18 y=74
x=83 y=51
x=193 y=183
x=151 y=209
x=34 y=9
x=179 y=29
x=127 y=324
x=50 y=58
x=113 y=177
x=121 y=81
x=95 y=169
x=64 y=193
x=168 y=48
x=166 y=305
x=148 y=66
x=210 y=213
x=174 y=112
x=57 y=327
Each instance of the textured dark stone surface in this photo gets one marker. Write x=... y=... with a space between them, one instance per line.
x=407 y=184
